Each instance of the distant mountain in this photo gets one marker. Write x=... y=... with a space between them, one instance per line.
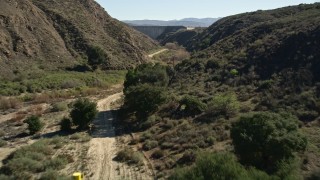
x=188 y=22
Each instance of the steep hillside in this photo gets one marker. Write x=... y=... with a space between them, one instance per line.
x=271 y=54
x=50 y=35
x=265 y=63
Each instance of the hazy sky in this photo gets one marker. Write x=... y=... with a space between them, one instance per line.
x=178 y=9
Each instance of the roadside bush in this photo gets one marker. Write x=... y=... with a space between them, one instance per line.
x=129 y=156
x=83 y=113
x=224 y=104
x=53 y=175
x=34 y=124
x=65 y=124
x=193 y=106
x=264 y=139
x=219 y=166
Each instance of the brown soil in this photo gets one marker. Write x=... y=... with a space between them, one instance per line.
x=105 y=145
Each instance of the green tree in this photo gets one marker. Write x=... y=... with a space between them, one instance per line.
x=83 y=113
x=34 y=124
x=144 y=99
x=265 y=139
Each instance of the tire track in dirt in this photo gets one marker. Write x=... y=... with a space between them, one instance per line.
x=104 y=147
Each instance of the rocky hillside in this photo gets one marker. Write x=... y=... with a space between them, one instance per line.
x=47 y=34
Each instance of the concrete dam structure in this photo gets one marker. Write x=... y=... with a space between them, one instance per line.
x=158 y=31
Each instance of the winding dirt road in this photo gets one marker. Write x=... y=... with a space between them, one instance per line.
x=158 y=52
x=104 y=147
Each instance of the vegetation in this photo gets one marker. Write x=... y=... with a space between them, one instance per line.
x=130 y=156
x=32 y=160
x=192 y=105
x=65 y=124
x=218 y=166
x=96 y=57
x=34 y=124
x=39 y=81
x=266 y=139
x=155 y=75
x=225 y=105
x=83 y=113
x=145 y=91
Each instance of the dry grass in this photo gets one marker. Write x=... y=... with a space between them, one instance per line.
x=9 y=103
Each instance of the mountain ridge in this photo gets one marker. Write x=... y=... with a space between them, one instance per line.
x=187 y=22
x=43 y=34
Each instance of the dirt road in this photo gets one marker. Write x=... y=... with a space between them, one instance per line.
x=158 y=52
x=104 y=146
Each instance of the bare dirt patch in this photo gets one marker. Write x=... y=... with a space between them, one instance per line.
x=104 y=146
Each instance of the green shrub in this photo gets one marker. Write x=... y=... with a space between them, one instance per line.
x=34 y=124
x=193 y=106
x=129 y=156
x=4 y=177
x=2 y=133
x=234 y=72
x=18 y=165
x=53 y=175
x=149 y=122
x=264 y=139
x=83 y=113
x=65 y=124
x=157 y=154
x=220 y=166
x=56 y=163
x=61 y=106
x=148 y=145
x=224 y=104
x=3 y=143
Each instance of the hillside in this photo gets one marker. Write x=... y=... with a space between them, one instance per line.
x=274 y=53
x=259 y=67
x=181 y=37
x=52 y=35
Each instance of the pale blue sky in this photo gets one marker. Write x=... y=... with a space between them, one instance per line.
x=178 y=9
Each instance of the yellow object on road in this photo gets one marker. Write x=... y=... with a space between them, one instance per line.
x=77 y=176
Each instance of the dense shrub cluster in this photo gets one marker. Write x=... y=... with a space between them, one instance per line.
x=219 y=166
x=29 y=161
x=266 y=139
